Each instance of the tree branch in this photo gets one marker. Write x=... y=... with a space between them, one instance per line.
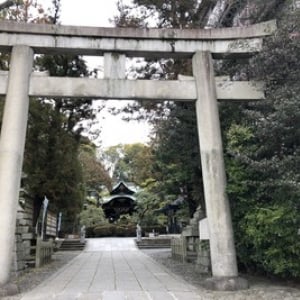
x=7 y=4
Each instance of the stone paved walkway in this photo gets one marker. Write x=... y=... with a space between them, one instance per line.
x=113 y=269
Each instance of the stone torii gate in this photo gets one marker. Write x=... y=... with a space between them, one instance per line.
x=25 y=40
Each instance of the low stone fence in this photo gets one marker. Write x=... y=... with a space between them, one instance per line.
x=179 y=248
x=185 y=248
x=153 y=242
x=44 y=250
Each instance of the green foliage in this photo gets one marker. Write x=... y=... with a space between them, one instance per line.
x=171 y=13
x=147 y=205
x=175 y=148
x=239 y=137
x=261 y=139
x=54 y=127
x=272 y=234
x=95 y=175
x=53 y=167
x=263 y=160
x=177 y=166
x=114 y=230
x=92 y=216
x=130 y=162
x=28 y=11
x=117 y=230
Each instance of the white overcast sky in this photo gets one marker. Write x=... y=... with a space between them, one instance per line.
x=97 y=13
x=88 y=12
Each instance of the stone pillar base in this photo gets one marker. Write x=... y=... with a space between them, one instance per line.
x=226 y=283
x=8 y=289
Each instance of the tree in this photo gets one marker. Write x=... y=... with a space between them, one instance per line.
x=134 y=164
x=111 y=156
x=263 y=158
x=95 y=175
x=261 y=139
x=175 y=146
x=130 y=163
x=55 y=125
x=92 y=216
x=27 y=11
x=53 y=169
x=176 y=154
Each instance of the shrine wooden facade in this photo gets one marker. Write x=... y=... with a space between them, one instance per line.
x=121 y=202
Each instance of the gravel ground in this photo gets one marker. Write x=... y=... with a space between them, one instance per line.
x=34 y=276
x=260 y=288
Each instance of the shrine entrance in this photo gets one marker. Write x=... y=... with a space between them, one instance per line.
x=120 y=202
x=115 y=44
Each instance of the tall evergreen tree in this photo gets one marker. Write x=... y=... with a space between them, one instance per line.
x=54 y=131
x=261 y=139
x=264 y=159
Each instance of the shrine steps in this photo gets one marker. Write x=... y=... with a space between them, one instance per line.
x=71 y=245
x=153 y=243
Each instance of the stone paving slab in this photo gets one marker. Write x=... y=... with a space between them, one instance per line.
x=113 y=269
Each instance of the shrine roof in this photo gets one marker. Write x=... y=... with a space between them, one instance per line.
x=121 y=189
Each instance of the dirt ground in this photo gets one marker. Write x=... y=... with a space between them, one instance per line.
x=260 y=288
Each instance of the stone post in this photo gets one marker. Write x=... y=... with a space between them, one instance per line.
x=222 y=249
x=114 y=65
x=12 y=143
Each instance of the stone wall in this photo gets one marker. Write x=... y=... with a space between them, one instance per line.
x=24 y=235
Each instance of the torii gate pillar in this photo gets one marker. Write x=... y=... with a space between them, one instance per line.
x=222 y=249
x=12 y=144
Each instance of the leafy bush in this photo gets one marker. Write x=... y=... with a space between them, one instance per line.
x=112 y=230
x=272 y=235
x=104 y=230
x=89 y=232
x=92 y=216
x=263 y=160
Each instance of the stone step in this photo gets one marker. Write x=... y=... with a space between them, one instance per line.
x=71 y=245
x=30 y=261
x=152 y=246
x=156 y=242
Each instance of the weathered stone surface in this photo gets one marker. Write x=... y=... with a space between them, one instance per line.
x=114 y=66
x=222 y=249
x=257 y=30
x=8 y=289
x=24 y=222
x=226 y=283
x=22 y=229
x=133 y=42
x=12 y=142
x=190 y=231
x=183 y=90
x=27 y=236
x=25 y=215
x=203 y=229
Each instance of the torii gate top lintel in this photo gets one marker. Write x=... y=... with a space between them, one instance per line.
x=256 y=30
x=46 y=38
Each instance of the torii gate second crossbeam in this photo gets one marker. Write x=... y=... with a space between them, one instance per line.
x=23 y=40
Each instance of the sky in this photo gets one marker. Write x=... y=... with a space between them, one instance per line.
x=97 y=13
